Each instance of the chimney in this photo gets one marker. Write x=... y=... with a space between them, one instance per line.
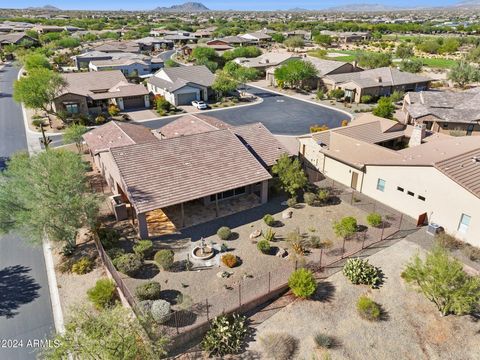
x=418 y=134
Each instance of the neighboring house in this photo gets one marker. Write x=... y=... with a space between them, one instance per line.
x=266 y=60
x=16 y=38
x=129 y=67
x=445 y=111
x=404 y=167
x=156 y=44
x=219 y=46
x=207 y=166
x=43 y=29
x=182 y=85
x=375 y=82
x=306 y=35
x=348 y=36
x=82 y=61
x=180 y=38
x=117 y=46
x=92 y=93
x=203 y=33
x=324 y=67
x=236 y=40
x=258 y=37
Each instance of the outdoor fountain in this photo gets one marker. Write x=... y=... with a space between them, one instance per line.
x=203 y=251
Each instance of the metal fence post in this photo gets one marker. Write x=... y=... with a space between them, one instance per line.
x=296 y=264
x=321 y=255
x=343 y=247
x=176 y=321
x=239 y=294
x=401 y=219
x=269 y=280
x=351 y=200
x=363 y=241
x=383 y=229
x=208 y=314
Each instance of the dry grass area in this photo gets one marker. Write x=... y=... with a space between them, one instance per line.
x=412 y=327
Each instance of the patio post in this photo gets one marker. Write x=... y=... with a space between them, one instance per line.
x=343 y=247
x=182 y=211
x=216 y=205
x=142 y=226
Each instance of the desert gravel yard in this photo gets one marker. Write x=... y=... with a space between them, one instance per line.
x=412 y=328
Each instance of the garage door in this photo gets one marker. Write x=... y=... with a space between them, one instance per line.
x=186 y=99
x=133 y=102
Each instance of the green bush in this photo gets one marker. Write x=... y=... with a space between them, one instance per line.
x=143 y=248
x=113 y=110
x=264 y=246
x=164 y=259
x=108 y=237
x=366 y=99
x=323 y=341
x=225 y=336
x=292 y=202
x=309 y=198
x=269 y=235
x=471 y=252
x=360 y=271
x=269 y=220
x=224 y=233
x=314 y=242
x=82 y=266
x=336 y=94
x=150 y=290
x=302 y=283
x=279 y=346
x=114 y=253
x=368 y=309
x=37 y=122
x=128 y=264
x=320 y=94
x=102 y=295
x=448 y=241
x=160 y=311
x=345 y=227
x=374 y=219
x=323 y=195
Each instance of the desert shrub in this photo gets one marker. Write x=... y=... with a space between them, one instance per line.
x=143 y=248
x=318 y=127
x=37 y=122
x=160 y=311
x=323 y=195
x=360 y=271
x=309 y=198
x=471 y=252
x=346 y=227
x=229 y=260
x=102 y=295
x=82 y=266
x=302 y=283
x=320 y=94
x=279 y=346
x=314 y=242
x=323 y=341
x=326 y=244
x=68 y=249
x=366 y=99
x=368 y=309
x=224 y=233
x=148 y=291
x=108 y=237
x=336 y=94
x=225 y=336
x=113 y=110
x=268 y=235
x=145 y=306
x=114 y=253
x=269 y=220
x=164 y=259
x=374 y=219
x=444 y=282
x=224 y=247
x=100 y=119
x=296 y=241
x=129 y=264
x=264 y=246
x=448 y=241
x=291 y=202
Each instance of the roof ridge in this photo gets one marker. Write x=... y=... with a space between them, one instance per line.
x=120 y=128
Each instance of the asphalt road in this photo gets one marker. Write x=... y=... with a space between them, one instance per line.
x=25 y=306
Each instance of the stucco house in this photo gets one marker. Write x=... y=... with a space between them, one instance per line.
x=375 y=82
x=206 y=167
x=267 y=60
x=258 y=37
x=348 y=36
x=16 y=38
x=116 y=46
x=404 y=167
x=132 y=68
x=181 y=85
x=445 y=111
x=156 y=44
x=92 y=93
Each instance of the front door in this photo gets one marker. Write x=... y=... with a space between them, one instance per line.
x=353 y=185
x=470 y=129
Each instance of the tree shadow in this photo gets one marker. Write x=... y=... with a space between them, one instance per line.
x=171 y=295
x=16 y=289
x=148 y=271
x=325 y=291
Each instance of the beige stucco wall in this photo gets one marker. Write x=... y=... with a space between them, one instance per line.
x=445 y=200
x=74 y=98
x=105 y=163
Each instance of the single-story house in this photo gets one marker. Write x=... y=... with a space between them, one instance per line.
x=324 y=67
x=445 y=111
x=258 y=37
x=306 y=35
x=205 y=167
x=219 y=46
x=375 y=82
x=92 y=93
x=266 y=60
x=180 y=38
x=405 y=167
x=182 y=85
x=236 y=40
x=151 y=43
x=16 y=38
x=43 y=29
x=348 y=36
x=117 y=46
x=82 y=61
x=129 y=67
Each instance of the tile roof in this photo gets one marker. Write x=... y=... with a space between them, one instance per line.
x=325 y=67
x=182 y=76
x=114 y=134
x=172 y=171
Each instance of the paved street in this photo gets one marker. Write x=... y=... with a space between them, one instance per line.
x=25 y=307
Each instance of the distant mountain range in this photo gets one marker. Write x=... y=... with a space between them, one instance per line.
x=45 y=7
x=186 y=7
x=467 y=4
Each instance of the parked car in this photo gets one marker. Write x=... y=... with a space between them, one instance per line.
x=200 y=105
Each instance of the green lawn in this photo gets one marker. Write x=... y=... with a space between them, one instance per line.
x=438 y=63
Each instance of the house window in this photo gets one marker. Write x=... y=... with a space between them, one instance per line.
x=381 y=184
x=400 y=189
x=72 y=108
x=464 y=223
x=420 y=197
x=410 y=193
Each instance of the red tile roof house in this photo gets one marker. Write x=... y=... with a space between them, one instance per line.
x=212 y=163
x=92 y=93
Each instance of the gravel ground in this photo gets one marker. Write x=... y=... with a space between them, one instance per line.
x=413 y=328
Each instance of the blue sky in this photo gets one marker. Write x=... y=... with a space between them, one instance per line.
x=212 y=4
